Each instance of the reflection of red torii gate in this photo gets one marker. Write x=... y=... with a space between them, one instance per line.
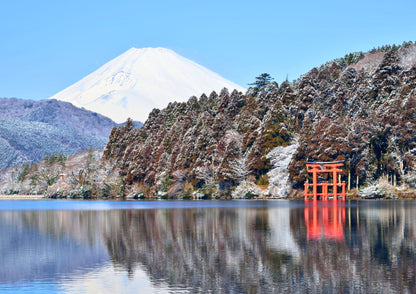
x=324 y=167
x=325 y=221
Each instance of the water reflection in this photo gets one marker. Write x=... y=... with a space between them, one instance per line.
x=325 y=220
x=354 y=247
x=45 y=246
x=219 y=250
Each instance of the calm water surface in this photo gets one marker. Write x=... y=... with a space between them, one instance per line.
x=207 y=247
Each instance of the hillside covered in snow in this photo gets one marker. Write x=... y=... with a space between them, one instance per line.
x=139 y=80
x=31 y=130
x=360 y=109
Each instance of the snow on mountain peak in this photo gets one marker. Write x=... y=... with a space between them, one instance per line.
x=137 y=81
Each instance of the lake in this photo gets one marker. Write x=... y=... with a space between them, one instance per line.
x=275 y=246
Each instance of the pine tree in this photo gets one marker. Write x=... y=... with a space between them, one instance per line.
x=262 y=80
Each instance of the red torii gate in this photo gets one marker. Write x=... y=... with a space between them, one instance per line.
x=324 y=167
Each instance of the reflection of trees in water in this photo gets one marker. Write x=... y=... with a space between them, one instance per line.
x=259 y=251
x=48 y=245
x=388 y=238
x=84 y=226
x=208 y=249
x=249 y=250
x=376 y=255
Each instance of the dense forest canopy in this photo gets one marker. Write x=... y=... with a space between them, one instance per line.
x=360 y=110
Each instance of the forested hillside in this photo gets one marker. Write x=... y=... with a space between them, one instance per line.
x=31 y=130
x=360 y=109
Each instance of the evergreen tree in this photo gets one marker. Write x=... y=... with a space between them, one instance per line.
x=262 y=80
x=24 y=172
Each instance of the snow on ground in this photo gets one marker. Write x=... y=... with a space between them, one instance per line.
x=408 y=57
x=280 y=158
x=370 y=62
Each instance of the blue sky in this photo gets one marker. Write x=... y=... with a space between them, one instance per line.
x=47 y=46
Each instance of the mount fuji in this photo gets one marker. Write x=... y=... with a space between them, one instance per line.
x=137 y=81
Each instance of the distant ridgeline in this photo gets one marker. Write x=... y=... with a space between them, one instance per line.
x=31 y=130
x=360 y=109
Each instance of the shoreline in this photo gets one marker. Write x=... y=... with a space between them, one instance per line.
x=411 y=196
x=19 y=197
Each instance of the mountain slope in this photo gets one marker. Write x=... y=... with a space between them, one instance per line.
x=30 y=130
x=366 y=117
x=134 y=83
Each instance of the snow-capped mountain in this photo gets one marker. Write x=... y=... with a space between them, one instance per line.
x=137 y=81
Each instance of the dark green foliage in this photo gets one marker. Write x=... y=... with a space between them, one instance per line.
x=85 y=192
x=276 y=131
x=55 y=157
x=386 y=48
x=166 y=182
x=12 y=192
x=353 y=58
x=250 y=195
x=24 y=172
x=49 y=178
x=262 y=80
